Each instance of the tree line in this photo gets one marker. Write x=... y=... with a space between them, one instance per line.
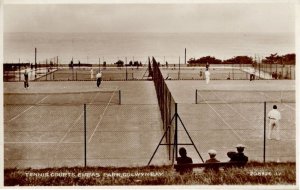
x=288 y=59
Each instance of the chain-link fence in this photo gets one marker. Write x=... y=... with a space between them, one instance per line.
x=170 y=117
x=229 y=72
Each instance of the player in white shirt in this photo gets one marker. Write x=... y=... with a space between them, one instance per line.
x=99 y=78
x=92 y=74
x=207 y=76
x=274 y=118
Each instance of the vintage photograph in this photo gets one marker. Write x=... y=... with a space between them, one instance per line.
x=193 y=93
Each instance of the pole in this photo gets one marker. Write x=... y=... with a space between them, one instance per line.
x=46 y=68
x=184 y=55
x=35 y=58
x=232 y=72
x=179 y=69
x=126 y=71
x=265 y=117
x=19 y=72
x=99 y=64
x=196 y=98
x=57 y=62
x=176 y=132
x=84 y=135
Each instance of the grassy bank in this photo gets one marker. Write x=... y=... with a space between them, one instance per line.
x=254 y=173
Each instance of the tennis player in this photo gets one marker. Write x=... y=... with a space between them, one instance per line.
x=26 y=83
x=99 y=78
x=274 y=117
x=207 y=76
x=92 y=74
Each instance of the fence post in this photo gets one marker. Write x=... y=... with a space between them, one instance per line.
x=84 y=135
x=19 y=72
x=265 y=117
x=176 y=132
x=196 y=98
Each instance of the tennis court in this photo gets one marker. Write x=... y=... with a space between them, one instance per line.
x=43 y=126
x=230 y=112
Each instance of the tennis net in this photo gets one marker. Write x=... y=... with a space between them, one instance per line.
x=253 y=96
x=63 y=98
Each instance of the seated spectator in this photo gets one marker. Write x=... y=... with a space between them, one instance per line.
x=240 y=156
x=184 y=159
x=212 y=154
x=231 y=155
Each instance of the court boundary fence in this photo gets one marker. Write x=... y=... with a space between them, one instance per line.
x=170 y=117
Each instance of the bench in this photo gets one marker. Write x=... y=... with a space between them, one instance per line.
x=179 y=167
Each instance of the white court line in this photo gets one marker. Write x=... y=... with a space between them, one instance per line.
x=42 y=142
x=280 y=99
x=231 y=107
x=223 y=120
x=101 y=117
x=27 y=109
x=73 y=124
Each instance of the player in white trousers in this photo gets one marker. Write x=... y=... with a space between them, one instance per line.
x=207 y=76
x=274 y=118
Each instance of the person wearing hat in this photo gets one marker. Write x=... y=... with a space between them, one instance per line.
x=274 y=117
x=184 y=159
x=240 y=156
x=212 y=154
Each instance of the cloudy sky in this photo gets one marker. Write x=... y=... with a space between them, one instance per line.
x=214 y=17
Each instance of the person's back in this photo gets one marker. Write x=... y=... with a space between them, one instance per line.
x=212 y=154
x=99 y=75
x=240 y=156
x=184 y=159
x=26 y=75
x=207 y=73
x=274 y=114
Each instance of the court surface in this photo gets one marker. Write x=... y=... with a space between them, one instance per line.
x=127 y=134
x=223 y=125
x=52 y=135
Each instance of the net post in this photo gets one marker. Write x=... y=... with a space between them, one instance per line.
x=84 y=135
x=119 y=97
x=265 y=117
x=76 y=75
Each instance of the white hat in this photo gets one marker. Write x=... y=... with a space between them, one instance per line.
x=212 y=152
x=240 y=146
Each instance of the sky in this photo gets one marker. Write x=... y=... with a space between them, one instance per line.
x=164 y=18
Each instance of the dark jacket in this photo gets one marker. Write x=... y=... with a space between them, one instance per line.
x=184 y=160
